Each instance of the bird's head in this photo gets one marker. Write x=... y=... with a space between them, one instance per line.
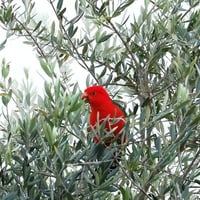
x=96 y=96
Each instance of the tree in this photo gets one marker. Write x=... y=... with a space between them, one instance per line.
x=151 y=62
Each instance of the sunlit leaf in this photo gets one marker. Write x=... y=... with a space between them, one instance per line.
x=46 y=68
x=6 y=98
x=103 y=38
x=5 y=69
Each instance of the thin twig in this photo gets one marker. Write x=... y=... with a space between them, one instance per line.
x=133 y=183
x=189 y=167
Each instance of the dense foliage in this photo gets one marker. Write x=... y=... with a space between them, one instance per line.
x=150 y=63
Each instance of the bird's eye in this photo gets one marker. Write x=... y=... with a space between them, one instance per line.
x=93 y=93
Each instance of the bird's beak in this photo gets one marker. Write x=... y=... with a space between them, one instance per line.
x=84 y=96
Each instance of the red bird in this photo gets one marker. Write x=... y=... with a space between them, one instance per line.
x=105 y=111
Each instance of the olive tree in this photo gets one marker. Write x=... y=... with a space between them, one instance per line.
x=148 y=59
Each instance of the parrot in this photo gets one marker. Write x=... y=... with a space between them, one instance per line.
x=103 y=111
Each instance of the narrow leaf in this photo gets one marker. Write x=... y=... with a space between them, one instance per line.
x=103 y=38
x=59 y=4
x=37 y=26
x=46 y=68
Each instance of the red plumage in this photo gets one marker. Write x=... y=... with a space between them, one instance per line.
x=104 y=110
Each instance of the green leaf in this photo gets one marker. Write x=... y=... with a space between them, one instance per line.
x=37 y=26
x=103 y=72
x=85 y=48
x=6 y=98
x=5 y=69
x=195 y=122
x=59 y=4
x=173 y=132
x=26 y=72
x=2 y=44
x=163 y=114
x=57 y=89
x=47 y=88
x=46 y=68
x=103 y=38
x=8 y=154
x=125 y=193
x=50 y=134
x=78 y=156
x=74 y=105
x=77 y=18
x=185 y=194
x=182 y=104
x=71 y=30
x=158 y=145
x=122 y=7
x=28 y=99
x=53 y=28
x=72 y=180
x=198 y=85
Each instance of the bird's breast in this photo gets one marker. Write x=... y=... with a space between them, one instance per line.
x=112 y=118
